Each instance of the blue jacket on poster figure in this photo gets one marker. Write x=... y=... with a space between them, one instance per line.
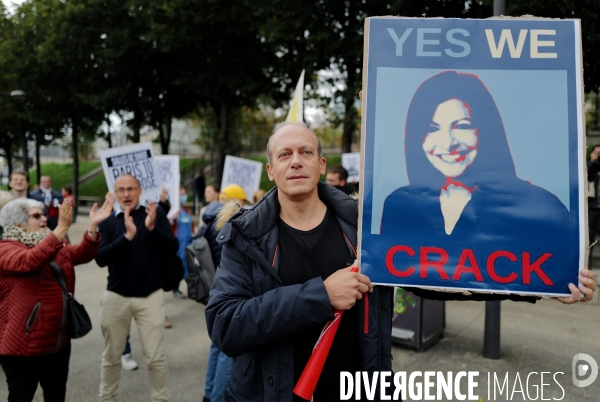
x=251 y=316
x=464 y=194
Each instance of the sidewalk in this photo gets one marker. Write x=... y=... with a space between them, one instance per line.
x=534 y=338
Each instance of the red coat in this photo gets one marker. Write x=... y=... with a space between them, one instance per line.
x=31 y=301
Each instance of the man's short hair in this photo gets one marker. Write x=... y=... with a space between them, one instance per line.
x=292 y=123
x=19 y=171
x=340 y=170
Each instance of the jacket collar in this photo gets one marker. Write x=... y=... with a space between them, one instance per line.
x=256 y=222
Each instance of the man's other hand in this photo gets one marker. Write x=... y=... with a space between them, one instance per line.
x=151 y=216
x=345 y=287
x=130 y=228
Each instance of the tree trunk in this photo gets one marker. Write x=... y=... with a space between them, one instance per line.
x=164 y=135
x=24 y=148
x=222 y=143
x=169 y=130
x=350 y=114
x=137 y=126
x=8 y=154
x=75 y=151
x=108 y=133
x=38 y=163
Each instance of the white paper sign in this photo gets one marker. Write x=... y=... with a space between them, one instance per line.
x=243 y=172
x=168 y=170
x=351 y=162
x=137 y=160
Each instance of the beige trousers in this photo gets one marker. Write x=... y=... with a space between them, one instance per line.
x=115 y=322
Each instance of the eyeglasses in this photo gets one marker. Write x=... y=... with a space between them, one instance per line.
x=128 y=189
x=37 y=215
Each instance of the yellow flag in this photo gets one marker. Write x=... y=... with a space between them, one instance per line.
x=296 y=113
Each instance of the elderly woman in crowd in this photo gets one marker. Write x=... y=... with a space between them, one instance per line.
x=34 y=340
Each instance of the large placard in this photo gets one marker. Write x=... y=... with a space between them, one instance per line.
x=472 y=154
x=137 y=160
x=168 y=170
x=243 y=172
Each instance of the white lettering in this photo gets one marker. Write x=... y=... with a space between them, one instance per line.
x=411 y=386
x=428 y=385
x=537 y=392
x=535 y=44
x=517 y=378
x=458 y=395
x=346 y=385
x=443 y=385
x=472 y=385
x=399 y=41
x=370 y=386
x=400 y=385
x=557 y=383
x=384 y=385
x=506 y=38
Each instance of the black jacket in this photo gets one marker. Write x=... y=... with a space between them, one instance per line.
x=251 y=316
x=135 y=267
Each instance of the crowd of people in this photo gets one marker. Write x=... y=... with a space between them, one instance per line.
x=285 y=261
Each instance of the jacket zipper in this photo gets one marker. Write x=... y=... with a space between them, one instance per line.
x=62 y=322
x=33 y=316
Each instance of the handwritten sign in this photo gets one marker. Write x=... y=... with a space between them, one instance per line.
x=137 y=160
x=243 y=172
x=168 y=170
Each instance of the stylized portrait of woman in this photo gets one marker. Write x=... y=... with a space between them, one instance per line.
x=464 y=193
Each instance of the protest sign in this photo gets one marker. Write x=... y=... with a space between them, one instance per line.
x=351 y=162
x=136 y=160
x=168 y=170
x=243 y=172
x=472 y=142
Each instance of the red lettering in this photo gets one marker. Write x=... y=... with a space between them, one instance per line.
x=389 y=261
x=473 y=267
x=425 y=263
x=490 y=264
x=528 y=267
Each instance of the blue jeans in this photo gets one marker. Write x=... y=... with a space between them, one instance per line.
x=217 y=374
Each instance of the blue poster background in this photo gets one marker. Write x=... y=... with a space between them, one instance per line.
x=525 y=233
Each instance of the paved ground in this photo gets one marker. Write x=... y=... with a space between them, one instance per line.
x=535 y=338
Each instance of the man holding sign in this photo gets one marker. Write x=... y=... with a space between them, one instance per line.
x=285 y=267
x=135 y=239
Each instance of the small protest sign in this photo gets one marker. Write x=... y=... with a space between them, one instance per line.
x=243 y=172
x=136 y=160
x=168 y=170
x=351 y=162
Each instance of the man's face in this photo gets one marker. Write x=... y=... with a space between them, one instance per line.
x=334 y=180
x=296 y=167
x=46 y=182
x=18 y=182
x=210 y=194
x=128 y=192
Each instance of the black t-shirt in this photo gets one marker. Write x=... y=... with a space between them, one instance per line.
x=306 y=255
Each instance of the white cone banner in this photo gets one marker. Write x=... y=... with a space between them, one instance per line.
x=296 y=113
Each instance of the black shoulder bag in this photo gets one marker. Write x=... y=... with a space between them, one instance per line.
x=78 y=320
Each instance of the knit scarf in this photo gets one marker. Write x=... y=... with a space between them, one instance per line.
x=31 y=239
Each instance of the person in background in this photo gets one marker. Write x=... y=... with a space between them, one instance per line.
x=135 y=239
x=5 y=197
x=199 y=184
x=337 y=176
x=211 y=194
x=593 y=170
x=51 y=199
x=258 y=195
x=35 y=346
x=183 y=228
x=18 y=184
x=218 y=371
x=234 y=192
x=67 y=193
